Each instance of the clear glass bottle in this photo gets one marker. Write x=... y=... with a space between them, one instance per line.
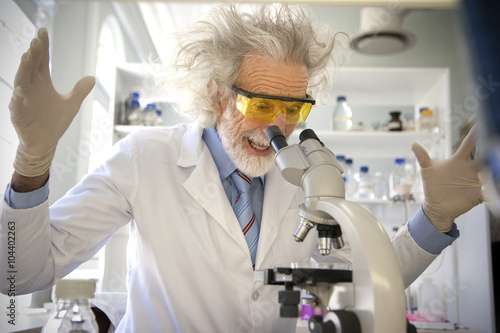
x=364 y=184
x=342 y=115
x=72 y=311
x=408 y=122
x=149 y=115
x=341 y=160
x=428 y=122
x=349 y=182
x=380 y=186
x=129 y=105
x=134 y=113
x=159 y=119
x=401 y=180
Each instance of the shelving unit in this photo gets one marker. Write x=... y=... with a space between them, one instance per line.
x=145 y=79
x=372 y=92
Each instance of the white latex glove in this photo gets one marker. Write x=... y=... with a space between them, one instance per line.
x=38 y=112
x=451 y=187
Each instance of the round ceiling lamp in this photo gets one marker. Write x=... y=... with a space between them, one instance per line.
x=381 y=32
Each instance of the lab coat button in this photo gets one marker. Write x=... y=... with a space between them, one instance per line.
x=255 y=295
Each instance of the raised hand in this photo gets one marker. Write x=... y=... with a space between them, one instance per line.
x=38 y=112
x=451 y=187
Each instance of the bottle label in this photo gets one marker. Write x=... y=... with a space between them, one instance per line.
x=394 y=126
x=342 y=123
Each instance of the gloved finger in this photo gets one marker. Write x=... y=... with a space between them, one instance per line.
x=43 y=35
x=467 y=145
x=81 y=89
x=23 y=75
x=421 y=154
x=36 y=54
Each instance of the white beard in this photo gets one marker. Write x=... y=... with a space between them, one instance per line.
x=235 y=147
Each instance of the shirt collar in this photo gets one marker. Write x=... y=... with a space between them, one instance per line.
x=224 y=164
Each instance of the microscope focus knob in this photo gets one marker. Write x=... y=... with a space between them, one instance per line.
x=289 y=300
x=336 y=321
x=316 y=325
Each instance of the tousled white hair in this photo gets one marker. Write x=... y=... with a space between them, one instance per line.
x=208 y=56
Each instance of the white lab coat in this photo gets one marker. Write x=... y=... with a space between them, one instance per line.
x=188 y=262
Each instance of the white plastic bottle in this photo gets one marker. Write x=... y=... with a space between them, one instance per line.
x=401 y=180
x=72 y=311
x=364 y=184
x=430 y=304
x=342 y=115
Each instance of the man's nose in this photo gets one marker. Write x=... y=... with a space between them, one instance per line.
x=279 y=121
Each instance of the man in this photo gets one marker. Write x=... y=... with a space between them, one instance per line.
x=191 y=268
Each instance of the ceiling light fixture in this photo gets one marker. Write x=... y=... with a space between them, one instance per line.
x=381 y=32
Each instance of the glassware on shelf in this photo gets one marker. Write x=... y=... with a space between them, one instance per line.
x=395 y=124
x=364 y=184
x=428 y=121
x=401 y=180
x=380 y=186
x=342 y=115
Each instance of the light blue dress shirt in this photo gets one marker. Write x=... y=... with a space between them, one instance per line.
x=422 y=231
x=226 y=167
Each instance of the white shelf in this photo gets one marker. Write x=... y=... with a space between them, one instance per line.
x=377 y=86
x=127 y=129
x=376 y=202
x=372 y=145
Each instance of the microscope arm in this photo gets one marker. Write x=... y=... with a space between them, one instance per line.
x=379 y=299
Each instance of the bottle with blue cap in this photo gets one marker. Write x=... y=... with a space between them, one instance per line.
x=149 y=115
x=349 y=179
x=342 y=115
x=131 y=109
x=401 y=180
x=134 y=113
x=364 y=184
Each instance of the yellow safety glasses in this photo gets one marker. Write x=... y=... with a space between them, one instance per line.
x=265 y=108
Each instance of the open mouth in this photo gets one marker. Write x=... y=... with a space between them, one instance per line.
x=258 y=146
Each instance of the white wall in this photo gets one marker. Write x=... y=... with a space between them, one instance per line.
x=15 y=36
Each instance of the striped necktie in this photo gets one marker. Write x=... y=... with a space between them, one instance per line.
x=244 y=212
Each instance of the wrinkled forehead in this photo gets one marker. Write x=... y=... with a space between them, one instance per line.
x=266 y=76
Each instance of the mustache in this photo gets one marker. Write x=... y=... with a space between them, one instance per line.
x=256 y=137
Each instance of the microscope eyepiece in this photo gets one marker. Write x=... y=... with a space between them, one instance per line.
x=309 y=134
x=276 y=138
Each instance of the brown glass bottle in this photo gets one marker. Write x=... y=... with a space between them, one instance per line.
x=395 y=124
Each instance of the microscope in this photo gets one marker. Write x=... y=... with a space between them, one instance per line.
x=369 y=298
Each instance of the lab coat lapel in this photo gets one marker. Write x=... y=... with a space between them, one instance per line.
x=278 y=196
x=205 y=186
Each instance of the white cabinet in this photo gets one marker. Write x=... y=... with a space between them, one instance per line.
x=146 y=80
x=372 y=93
